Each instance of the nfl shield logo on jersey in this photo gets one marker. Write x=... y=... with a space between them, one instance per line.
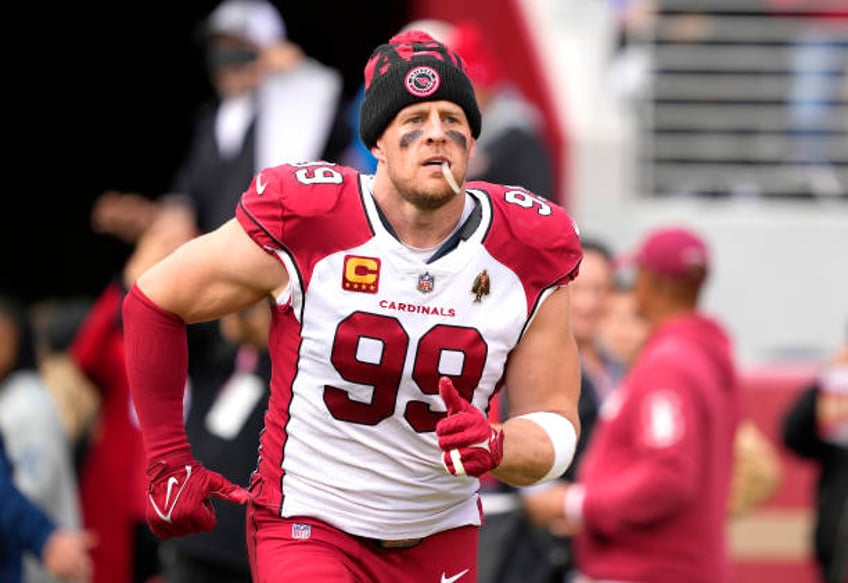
x=425 y=282
x=301 y=531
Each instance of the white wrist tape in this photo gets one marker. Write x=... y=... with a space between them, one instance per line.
x=456 y=458
x=563 y=438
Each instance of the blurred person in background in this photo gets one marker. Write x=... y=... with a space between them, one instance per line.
x=632 y=60
x=512 y=148
x=56 y=322
x=622 y=331
x=26 y=531
x=272 y=104
x=815 y=428
x=651 y=494
x=818 y=82
x=590 y=308
x=757 y=471
x=355 y=154
x=227 y=396
x=38 y=447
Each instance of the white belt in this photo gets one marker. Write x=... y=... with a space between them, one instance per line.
x=499 y=502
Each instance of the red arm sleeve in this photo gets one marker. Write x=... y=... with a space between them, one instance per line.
x=157 y=366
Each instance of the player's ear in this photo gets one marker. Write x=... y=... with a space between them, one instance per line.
x=377 y=151
x=378 y=154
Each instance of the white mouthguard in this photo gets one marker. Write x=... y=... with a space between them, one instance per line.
x=449 y=177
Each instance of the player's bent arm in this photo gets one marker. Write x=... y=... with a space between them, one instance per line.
x=543 y=376
x=204 y=279
x=212 y=275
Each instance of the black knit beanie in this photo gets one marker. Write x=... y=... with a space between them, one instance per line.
x=413 y=67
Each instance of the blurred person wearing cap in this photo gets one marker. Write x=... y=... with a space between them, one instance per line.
x=649 y=502
x=402 y=302
x=272 y=104
x=815 y=428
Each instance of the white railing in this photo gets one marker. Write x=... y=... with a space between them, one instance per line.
x=725 y=111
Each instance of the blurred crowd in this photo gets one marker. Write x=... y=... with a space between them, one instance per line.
x=72 y=451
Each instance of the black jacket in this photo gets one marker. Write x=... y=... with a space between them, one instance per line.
x=831 y=530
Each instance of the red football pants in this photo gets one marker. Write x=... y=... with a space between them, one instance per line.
x=310 y=551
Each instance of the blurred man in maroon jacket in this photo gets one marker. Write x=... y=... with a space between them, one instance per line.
x=649 y=502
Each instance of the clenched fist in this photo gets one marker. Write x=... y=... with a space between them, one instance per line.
x=178 y=499
x=470 y=445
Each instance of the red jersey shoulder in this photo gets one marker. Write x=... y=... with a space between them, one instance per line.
x=530 y=217
x=286 y=205
x=535 y=236
x=304 y=188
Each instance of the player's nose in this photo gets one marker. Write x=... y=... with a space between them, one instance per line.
x=435 y=128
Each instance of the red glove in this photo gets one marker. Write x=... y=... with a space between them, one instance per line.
x=470 y=445
x=178 y=496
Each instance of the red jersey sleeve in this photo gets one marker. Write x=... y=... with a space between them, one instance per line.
x=304 y=210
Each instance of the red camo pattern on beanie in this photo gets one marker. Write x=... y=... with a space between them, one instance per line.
x=413 y=67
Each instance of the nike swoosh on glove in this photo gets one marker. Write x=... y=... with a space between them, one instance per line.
x=178 y=496
x=470 y=445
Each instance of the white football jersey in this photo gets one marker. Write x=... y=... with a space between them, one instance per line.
x=367 y=327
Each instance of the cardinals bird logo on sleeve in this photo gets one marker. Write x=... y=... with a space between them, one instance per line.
x=481 y=286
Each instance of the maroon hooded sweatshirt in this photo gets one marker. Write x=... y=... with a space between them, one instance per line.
x=657 y=470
